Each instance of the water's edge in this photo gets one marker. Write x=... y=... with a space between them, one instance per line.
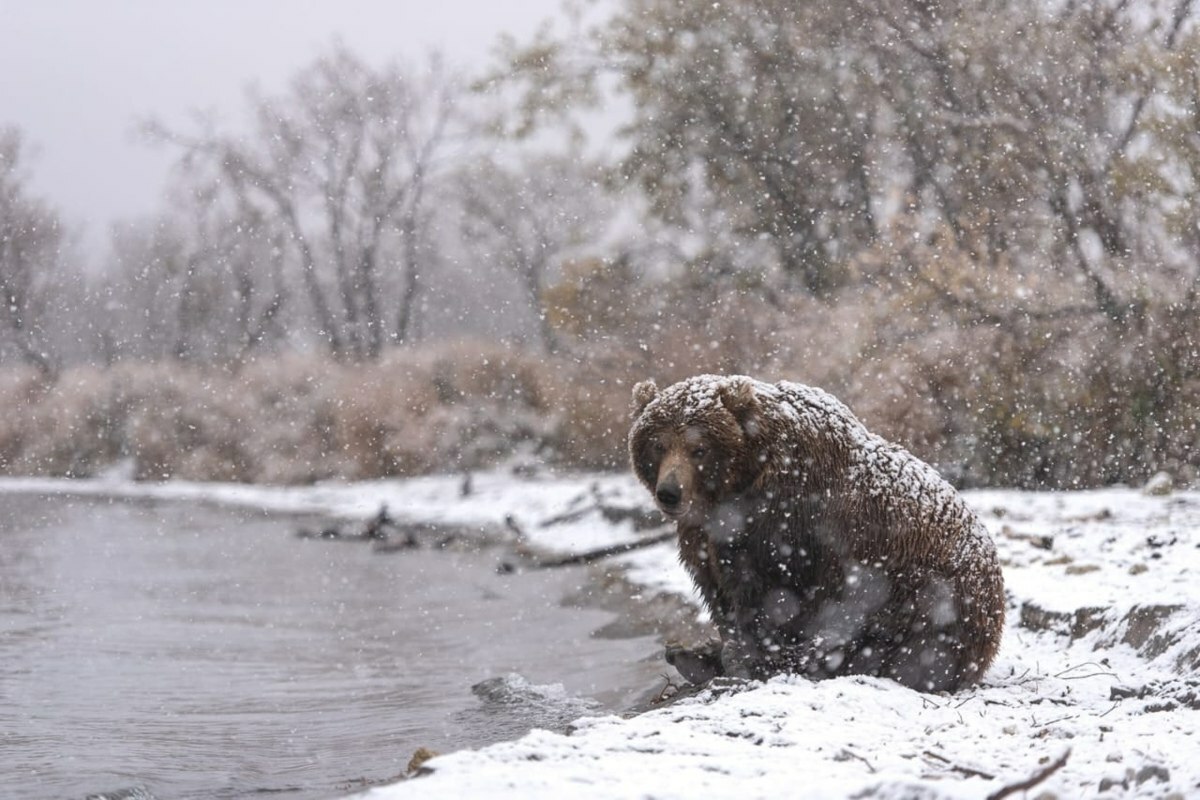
x=602 y=587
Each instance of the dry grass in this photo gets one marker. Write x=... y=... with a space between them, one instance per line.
x=1027 y=405
x=292 y=420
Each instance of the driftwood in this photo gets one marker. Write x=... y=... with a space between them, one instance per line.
x=389 y=536
x=378 y=529
x=591 y=556
x=643 y=519
x=538 y=560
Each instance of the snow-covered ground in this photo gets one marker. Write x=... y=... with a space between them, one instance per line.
x=1096 y=691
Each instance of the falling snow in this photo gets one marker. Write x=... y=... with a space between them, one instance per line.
x=431 y=280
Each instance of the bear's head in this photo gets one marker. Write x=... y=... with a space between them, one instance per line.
x=694 y=445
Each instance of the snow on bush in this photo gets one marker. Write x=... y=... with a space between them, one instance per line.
x=295 y=419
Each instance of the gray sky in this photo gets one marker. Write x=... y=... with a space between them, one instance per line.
x=76 y=75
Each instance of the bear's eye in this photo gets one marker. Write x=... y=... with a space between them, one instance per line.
x=658 y=448
x=699 y=453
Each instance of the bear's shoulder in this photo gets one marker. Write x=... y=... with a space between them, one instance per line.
x=798 y=411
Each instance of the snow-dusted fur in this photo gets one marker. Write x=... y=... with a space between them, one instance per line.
x=818 y=547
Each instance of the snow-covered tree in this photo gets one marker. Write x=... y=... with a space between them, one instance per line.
x=524 y=220
x=338 y=169
x=32 y=241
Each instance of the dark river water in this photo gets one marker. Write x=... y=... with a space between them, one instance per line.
x=202 y=652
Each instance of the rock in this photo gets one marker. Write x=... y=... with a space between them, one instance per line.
x=419 y=757
x=1144 y=629
x=1075 y=624
x=1159 y=485
x=1127 y=692
x=1189 y=662
x=133 y=793
x=1157 y=708
x=1152 y=771
x=1169 y=694
x=1152 y=630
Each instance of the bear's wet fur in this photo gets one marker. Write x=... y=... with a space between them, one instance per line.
x=818 y=548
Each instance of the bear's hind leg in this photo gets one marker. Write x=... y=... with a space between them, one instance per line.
x=929 y=662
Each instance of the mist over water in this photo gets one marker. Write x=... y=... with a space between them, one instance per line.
x=200 y=652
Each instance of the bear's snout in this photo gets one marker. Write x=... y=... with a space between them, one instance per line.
x=669 y=493
x=675 y=488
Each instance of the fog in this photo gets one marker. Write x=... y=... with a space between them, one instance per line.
x=79 y=75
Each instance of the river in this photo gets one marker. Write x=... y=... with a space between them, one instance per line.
x=197 y=651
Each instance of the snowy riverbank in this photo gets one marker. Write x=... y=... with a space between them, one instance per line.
x=1096 y=690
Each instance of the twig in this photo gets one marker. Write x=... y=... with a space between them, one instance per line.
x=1058 y=719
x=670 y=686
x=1067 y=677
x=511 y=523
x=567 y=516
x=1089 y=675
x=847 y=754
x=1032 y=780
x=1020 y=679
x=968 y=771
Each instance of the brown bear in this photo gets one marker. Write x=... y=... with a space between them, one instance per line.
x=817 y=547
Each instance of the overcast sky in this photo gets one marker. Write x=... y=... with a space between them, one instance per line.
x=76 y=75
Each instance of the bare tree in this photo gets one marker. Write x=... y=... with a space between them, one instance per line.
x=337 y=169
x=525 y=219
x=196 y=283
x=31 y=248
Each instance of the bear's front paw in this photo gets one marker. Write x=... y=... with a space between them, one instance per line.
x=697 y=665
x=740 y=660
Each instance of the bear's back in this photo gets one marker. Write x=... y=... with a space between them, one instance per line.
x=905 y=494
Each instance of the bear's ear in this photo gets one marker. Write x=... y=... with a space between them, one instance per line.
x=739 y=399
x=643 y=394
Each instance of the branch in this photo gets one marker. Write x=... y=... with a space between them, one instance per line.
x=1181 y=13
x=968 y=771
x=1032 y=780
x=1106 y=299
x=591 y=556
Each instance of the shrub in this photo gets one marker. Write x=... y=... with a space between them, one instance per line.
x=1032 y=404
